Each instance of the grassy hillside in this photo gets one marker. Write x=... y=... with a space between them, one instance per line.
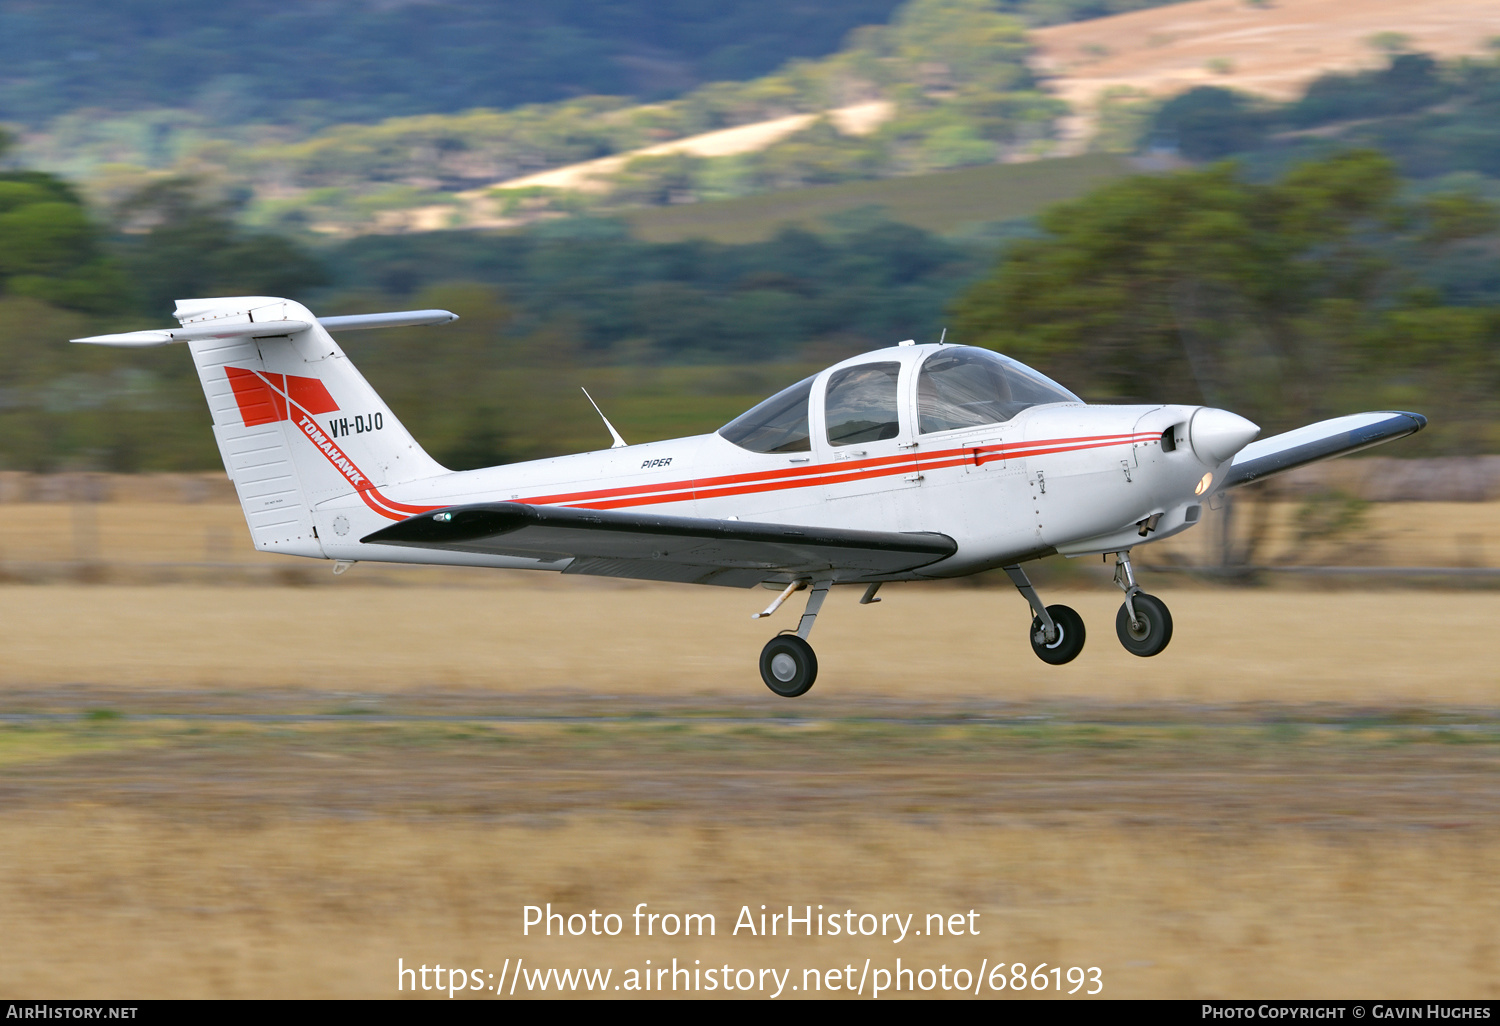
x=941 y=203
x=311 y=63
x=319 y=62
x=953 y=74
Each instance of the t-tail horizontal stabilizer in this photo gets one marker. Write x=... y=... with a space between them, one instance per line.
x=192 y=332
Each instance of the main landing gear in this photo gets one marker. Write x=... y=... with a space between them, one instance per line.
x=788 y=664
x=1144 y=624
x=1057 y=632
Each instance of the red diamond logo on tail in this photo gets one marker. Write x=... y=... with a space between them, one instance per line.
x=262 y=398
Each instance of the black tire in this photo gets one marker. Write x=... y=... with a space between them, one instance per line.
x=1069 y=640
x=788 y=665
x=1152 y=630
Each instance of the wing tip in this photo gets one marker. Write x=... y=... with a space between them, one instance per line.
x=1392 y=425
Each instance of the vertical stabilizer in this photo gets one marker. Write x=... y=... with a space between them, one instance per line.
x=297 y=424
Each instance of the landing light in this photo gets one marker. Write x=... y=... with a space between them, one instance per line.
x=1203 y=484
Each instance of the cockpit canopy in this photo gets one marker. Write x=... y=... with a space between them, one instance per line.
x=965 y=387
x=957 y=387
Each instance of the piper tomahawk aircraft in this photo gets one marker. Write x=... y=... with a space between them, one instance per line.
x=909 y=463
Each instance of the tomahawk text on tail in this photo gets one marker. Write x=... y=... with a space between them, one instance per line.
x=907 y=463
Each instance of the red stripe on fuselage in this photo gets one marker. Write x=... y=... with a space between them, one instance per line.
x=804 y=477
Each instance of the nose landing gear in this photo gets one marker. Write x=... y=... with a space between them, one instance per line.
x=1143 y=624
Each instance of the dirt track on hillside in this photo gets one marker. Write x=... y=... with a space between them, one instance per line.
x=1274 y=48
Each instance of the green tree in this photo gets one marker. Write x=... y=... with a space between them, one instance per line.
x=50 y=248
x=1201 y=286
x=1208 y=123
x=180 y=242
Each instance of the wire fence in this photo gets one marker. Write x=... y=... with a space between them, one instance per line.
x=188 y=528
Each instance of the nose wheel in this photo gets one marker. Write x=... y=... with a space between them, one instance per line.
x=1143 y=624
x=1150 y=630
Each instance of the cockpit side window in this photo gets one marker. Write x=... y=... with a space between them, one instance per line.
x=861 y=404
x=967 y=387
x=777 y=425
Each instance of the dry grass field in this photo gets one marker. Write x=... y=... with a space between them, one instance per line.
x=569 y=637
x=149 y=905
x=234 y=788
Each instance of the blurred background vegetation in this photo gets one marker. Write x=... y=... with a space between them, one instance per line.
x=1345 y=257
x=338 y=113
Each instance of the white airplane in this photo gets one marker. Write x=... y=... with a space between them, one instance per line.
x=916 y=462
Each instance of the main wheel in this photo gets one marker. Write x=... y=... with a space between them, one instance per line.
x=788 y=665
x=1152 y=629
x=1069 y=641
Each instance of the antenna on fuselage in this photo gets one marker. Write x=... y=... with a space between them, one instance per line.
x=619 y=442
x=942 y=336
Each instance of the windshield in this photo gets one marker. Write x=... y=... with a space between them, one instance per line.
x=777 y=425
x=965 y=387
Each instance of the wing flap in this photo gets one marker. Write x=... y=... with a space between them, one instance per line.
x=1316 y=442
x=665 y=570
x=616 y=543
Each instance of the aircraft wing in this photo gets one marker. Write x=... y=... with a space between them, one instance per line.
x=619 y=543
x=1321 y=441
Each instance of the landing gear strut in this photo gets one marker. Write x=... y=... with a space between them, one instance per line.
x=788 y=664
x=1057 y=632
x=1144 y=624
